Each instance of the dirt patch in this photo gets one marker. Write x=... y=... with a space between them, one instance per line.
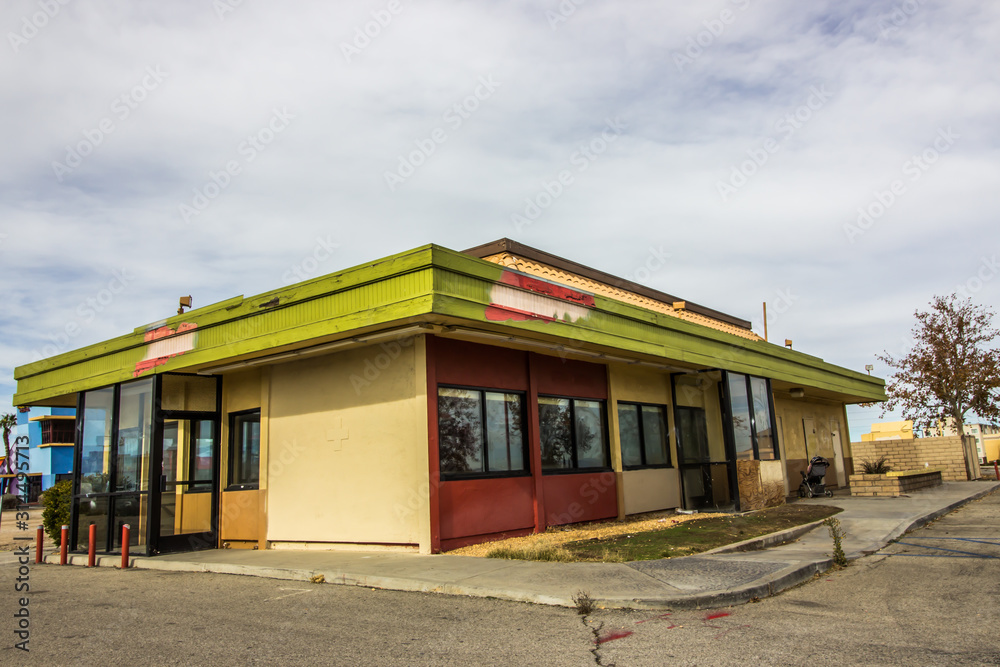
x=559 y=535
x=650 y=536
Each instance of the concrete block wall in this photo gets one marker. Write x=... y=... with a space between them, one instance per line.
x=946 y=453
x=881 y=485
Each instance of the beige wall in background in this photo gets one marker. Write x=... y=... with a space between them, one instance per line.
x=347 y=458
x=655 y=488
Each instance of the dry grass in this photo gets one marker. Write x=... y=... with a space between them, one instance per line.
x=552 y=540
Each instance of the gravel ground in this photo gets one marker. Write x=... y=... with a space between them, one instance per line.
x=559 y=535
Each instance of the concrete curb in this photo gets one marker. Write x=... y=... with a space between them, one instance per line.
x=766 y=541
x=766 y=586
x=925 y=519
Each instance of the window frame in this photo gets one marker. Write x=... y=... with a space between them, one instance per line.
x=199 y=485
x=642 y=436
x=234 y=435
x=576 y=469
x=452 y=475
x=728 y=414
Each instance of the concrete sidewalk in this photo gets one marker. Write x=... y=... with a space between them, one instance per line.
x=718 y=578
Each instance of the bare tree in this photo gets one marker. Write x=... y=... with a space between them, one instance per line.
x=953 y=368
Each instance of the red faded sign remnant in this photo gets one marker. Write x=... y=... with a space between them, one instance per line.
x=611 y=636
x=539 y=300
x=162 y=343
x=533 y=284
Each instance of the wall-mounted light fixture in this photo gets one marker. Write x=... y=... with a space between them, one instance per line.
x=798 y=392
x=869 y=368
x=788 y=343
x=184 y=303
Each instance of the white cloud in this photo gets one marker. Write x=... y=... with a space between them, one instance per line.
x=892 y=86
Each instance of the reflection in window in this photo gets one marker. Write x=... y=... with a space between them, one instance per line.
x=202 y=442
x=480 y=432
x=135 y=431
x=572 y=432
x=750 y=407
x=244 y=453
x=95 y=450
x=740 y=411
x=762 y=419
x=643 y=433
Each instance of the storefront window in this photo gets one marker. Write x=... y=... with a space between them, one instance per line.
x=642 y=430
x=95 y=446
x=480 y=431
x=573 y=433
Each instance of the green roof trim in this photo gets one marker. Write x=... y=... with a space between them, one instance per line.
x=429 y=283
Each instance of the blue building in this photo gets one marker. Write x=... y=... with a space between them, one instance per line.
x=50 y=433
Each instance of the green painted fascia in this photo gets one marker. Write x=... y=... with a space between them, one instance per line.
x=423 y=281
x=237 y=307
x=368 y=295
x=464 y=293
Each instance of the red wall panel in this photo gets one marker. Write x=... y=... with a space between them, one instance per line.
x=485 y=506
x=472 y=364
x=582 y=497
x=567 y=377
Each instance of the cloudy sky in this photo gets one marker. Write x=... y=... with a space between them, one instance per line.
x=838 y=160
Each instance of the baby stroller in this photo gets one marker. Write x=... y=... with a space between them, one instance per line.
x=812 y=479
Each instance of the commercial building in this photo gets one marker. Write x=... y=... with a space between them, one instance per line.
x=433 y=399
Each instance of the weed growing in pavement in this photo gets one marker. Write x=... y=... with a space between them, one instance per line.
x=584 y=603
x=837 y=533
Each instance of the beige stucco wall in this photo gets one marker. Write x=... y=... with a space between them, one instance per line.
x=807 y=428
x=348 y=449
x=651 y=489
x=242 y=518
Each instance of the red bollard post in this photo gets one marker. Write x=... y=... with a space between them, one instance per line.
x=996 y=469
x=92 y=547
x=63 y=545
x=125 y=538
x=38 y=544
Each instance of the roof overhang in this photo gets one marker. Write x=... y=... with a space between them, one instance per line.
x=426 y=290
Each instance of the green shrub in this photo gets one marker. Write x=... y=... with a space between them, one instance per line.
x=880 y=466
x=57 y=502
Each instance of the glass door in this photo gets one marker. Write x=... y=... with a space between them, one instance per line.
x=188 y=453
x=706 y=467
